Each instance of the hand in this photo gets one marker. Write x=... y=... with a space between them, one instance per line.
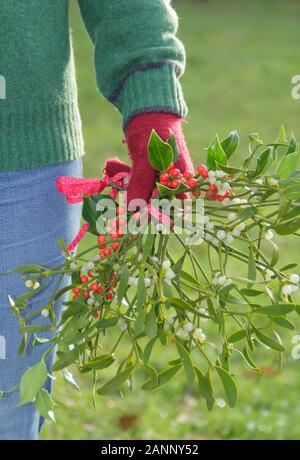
x=142 y=178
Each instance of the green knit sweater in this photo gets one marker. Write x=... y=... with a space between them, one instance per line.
x=138 y=62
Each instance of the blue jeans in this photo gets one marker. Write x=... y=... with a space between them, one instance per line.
x=33 y=215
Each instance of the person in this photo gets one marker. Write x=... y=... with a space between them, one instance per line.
x=138 y=61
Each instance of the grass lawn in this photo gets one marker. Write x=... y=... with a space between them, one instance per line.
x=240 y=60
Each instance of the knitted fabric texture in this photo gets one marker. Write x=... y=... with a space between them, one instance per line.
x=142 y=178
x=138 y=62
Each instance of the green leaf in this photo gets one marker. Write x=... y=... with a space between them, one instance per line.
x=287 y=165
x=32 y=381
x=281 y=137
x=205 y=387
x=62 y=245
x=90 y=214
x=263 y=162
x=148 y=350
x=275 y=310
x=148 y=244
x=141 y=292
x=101 y=362
x=44 y=405
x=183 y=305
x=152 y=382
x=140 y=322
x=293 y=145
x=187 y=362
x=251 y=266
x=69 y=379
x=230 y=143
x=151 y=324
x=167 y=375
x=237 y=336
x=251 y=292
x=65 y=359
x=122 y=288
x=116 y=382
x=249 y=360
x=284 y=322
x=172 y=142
x=215 y=154
x=229 y=385
x=286 y=228
x=269 y=342
x=160 y=153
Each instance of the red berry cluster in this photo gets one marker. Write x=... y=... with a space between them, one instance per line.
x=116 y=230
x=89 y=284
x=173 y=176
x=213 y=195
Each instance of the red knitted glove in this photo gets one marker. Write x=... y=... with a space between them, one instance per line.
x=138 y=131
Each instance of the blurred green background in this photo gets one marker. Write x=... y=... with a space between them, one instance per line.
x=241 y=57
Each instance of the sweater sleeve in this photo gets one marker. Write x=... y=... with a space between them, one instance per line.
x=138 y=58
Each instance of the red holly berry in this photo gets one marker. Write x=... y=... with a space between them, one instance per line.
x=174 y=172
x=76 y=290
x=163 y=178
x=94 y=287
x=109 y=296
x=174 y=183
x=192 y=183
x=100 y=290
x=196 y=193
x=187 y=174
x=75 y=296
x=170 y=167
x=84 y=279
x=107 y=252
x=101 y=238
x=202 y=170
x=115 y=246
x=91 y=274
x=96 y=314
x=86 y=294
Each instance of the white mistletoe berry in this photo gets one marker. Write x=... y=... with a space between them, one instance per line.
x=189 y=326
x=210 y=226
x=221 y=234
x=28 y=283
x=182 y=333
x=73 y=266
x=166 y=264
x=199 y=335
x=286 y=289
x=294 y=278
x=45 y=313
x=259 y=181
x=36 y=285
x=269 y=235
x=229 y=239
x=132 y=281
x=231 y=216
x=122 y=324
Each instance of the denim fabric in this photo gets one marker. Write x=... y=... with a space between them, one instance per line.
x=33 y=215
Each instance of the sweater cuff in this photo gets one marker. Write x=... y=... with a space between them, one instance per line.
x=150 y=88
